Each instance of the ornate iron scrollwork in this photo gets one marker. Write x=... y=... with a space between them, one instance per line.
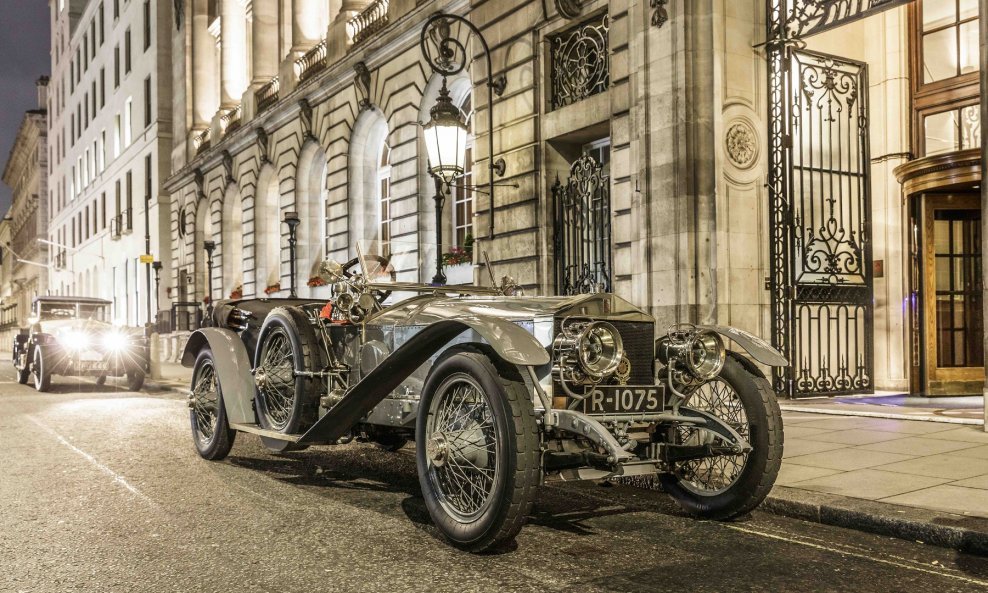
x=583 y=229
x=580 y=64
x=569 y=9
x=812 y=16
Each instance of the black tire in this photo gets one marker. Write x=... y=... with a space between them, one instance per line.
x=211 y=433
x=135 y=380
x=42 y=377
x=512 y=436
x=23 y=374
x=751 y=485
x=101 y=380
x=284 y=403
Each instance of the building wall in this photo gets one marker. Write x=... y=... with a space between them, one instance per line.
x=103 y=260
x=26 y=173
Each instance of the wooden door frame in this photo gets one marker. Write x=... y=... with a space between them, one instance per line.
x=936 y=379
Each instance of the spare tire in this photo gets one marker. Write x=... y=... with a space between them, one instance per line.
x=287 y=401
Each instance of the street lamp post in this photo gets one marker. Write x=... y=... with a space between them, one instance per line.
x=209 y=246
x=440 y=278
x=446 y=132
x=292 y=220
x=157 y=289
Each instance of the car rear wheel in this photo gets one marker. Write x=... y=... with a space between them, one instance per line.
x=727 y=486
x=42 y=376
x=211 y=432
x=23 y=374
x=477 y=451
x=135 y=380
x=286 y=400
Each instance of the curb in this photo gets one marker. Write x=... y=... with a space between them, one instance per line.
x=947 y=530
x=884 y=415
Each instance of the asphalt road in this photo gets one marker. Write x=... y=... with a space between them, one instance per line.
x=101 y=490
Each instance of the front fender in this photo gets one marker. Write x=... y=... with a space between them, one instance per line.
x=233 y=368
x=758 y=348
x=510 y=341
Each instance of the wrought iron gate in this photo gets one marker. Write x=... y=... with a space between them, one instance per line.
x=820 y=205
x=583 y=228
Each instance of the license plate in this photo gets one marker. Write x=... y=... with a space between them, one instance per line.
x=93 y=365
x=625 y=399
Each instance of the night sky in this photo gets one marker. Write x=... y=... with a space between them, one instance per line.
x=24 y=57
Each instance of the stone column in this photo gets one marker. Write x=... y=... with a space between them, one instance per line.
x=233 y=52
x=264 y=41
x=205 y=96
x=984 y=176
x=336 y=35
x=307 y=24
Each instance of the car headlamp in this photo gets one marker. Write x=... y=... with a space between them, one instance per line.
x=593 y=348
x=700 y=352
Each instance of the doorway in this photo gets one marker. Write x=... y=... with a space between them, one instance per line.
x=950 y=286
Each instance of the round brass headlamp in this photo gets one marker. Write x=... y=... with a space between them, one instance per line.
x=705 y=355
x=599 y=349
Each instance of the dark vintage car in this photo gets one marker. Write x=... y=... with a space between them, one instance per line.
x=72 y=336
x=498 y=392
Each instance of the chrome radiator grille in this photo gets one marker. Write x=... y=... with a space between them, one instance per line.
x=639 y=346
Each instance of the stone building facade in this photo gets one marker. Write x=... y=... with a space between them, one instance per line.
x=650 y=119
x=110 y=130
x=24 y=275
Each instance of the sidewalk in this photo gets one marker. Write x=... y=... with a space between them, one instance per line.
x=174 y=377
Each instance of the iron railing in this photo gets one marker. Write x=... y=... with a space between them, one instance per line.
x=580 y=63
x=230 y=120
x=313 y=62
x=267 y=95
x=369 y=21
x=121 y=224
x=201 y=141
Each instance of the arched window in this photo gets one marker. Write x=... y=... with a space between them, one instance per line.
x=310 y=203
x=384 y=193
x=369 y=176
x=267 y=233
x=232 y=243
x=462 y=198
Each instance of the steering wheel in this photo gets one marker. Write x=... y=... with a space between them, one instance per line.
x=379 y=295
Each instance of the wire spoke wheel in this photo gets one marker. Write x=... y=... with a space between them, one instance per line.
x=205 y=402
x=713 y=475
x=276 y=378
x=462 y=442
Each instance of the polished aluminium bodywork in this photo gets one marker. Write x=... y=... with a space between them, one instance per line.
x=390 y=353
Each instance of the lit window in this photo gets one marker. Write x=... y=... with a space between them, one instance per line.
x=128 y=122
x=956 y=129
x=462 y=195
x=949 y=38
x=384 y=198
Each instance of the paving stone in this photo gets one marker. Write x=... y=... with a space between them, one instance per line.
x=871 y=484
x=975 y=482
x=976 y=452
x=971 y=434
x=919 y=446
x=854 y=436
x=905 y=426
x=837 y=423
x=950 y=466
x=795 y=448
x=947 y=497
x=848 y=459
x=791 y=474
x=799 y=432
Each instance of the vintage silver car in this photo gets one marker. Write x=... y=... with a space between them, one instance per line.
x=499 y=392
x=73 y=336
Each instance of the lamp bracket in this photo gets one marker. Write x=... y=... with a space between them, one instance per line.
x=499 y=167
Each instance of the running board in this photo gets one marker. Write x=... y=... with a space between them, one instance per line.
x=264 y=432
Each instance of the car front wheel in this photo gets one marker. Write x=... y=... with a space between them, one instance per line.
x=726 y=486
x=42 y=376
x=477 y=451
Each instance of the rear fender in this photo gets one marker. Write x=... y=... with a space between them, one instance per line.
x=232 y=367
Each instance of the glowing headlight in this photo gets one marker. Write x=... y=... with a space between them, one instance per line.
x=75 y=339
x=115 y=341
x=702 y=352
